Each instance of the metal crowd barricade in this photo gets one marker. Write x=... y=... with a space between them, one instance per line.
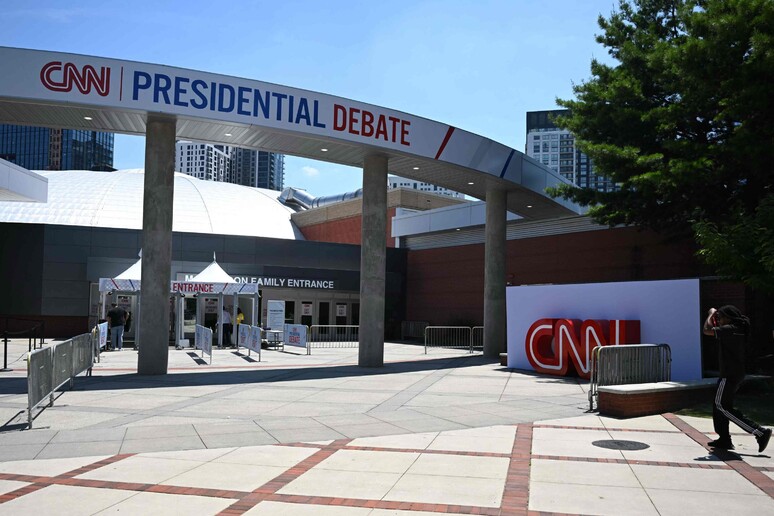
x=628 y=363
x=412 y=329
x=455 y=337
x=476 y=338
x=50 y=368
x=333 y=336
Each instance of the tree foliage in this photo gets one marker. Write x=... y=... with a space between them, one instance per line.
x=684 y=121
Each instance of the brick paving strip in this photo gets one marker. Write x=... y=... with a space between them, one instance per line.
x=754 y=475
x=518 y=480
x=515 y=500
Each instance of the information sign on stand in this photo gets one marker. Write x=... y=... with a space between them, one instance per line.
x=295 y=335
x=275 y=318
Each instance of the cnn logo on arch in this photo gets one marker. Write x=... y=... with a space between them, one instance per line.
x=557 y=346
x=58 y=76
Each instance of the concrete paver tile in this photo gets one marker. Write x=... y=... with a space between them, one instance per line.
x=294 y=435
x=89 y=435
x=161 y=503
x=192 y=442
x=368 y=430
x=28 y=437
x=572 y=448
x=79 y=449
x=418 y=441
x=665 y=453
x=639 y=423
x=307 y=409
x=397 y=512
x=200 y=456
x=151 y=431
x=50 y=467
x=295 y=509
x=65 y=418
x=144 y=470
x=284 y=456
x=481 y=492
x=236 y=427
x=253 y=438
x=471 y=420
x=265 y=393
x=429 y=423
x=693 y=479
x=286 y=423
x=6 y=486
x=583 y=473
x=20 y=451
x=443 y=400
x=679 y=503
x=565 y=434
x=343 y=396
x=342 y=484
x=219 y=475
x=65 y=501
x=590 y=421
x=585 y=499
x=472 y=444
x=229 y=407
x=654 y=438
x=371 y=461
x=460 y=466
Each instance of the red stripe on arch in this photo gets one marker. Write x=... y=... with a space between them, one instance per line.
x=445 y=141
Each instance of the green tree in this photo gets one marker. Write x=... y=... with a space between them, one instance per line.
x=684 y=124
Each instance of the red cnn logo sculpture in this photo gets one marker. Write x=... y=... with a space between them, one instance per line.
x=557 y=346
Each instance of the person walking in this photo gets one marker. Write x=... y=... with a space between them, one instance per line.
x=117 y=317
x=227 y=327
x=731 y=329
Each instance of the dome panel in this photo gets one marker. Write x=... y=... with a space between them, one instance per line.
x=114 y=200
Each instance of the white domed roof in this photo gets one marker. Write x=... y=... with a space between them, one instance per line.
x=114 y=200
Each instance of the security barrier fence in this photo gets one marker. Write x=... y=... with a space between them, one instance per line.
x=333 y=336
x=628 y=363
x=50 y=368
x=454 y=337
x=412 y=329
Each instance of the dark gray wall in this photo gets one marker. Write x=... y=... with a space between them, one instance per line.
x=46 y=270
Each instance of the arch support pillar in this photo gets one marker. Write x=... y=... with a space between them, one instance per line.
x=494 y=273
x=158 y=196
x=373 y=262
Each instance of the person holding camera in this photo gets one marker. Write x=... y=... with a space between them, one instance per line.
x=731 y=329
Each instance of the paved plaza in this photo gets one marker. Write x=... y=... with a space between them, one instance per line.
x=297 y=434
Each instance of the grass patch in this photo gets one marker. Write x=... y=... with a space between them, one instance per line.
x=755 y=399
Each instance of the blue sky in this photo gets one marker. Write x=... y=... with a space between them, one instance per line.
x=475 y=64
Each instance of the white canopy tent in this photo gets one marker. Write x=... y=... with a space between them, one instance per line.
x=212 y=280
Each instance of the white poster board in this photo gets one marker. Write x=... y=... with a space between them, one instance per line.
x=243 y=336
x=668 y=312
x=203 y=340
x=103 y=333
x=341 y=310
x=254 y=342
x=306 y=308
x=295 y=335
x=275 y=318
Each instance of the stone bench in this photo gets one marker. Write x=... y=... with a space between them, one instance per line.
x=646 y=399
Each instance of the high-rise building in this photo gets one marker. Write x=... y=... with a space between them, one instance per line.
x=204 y=161
x=41 y=148
x=402 y=182
x=259 y=169
x=555 y=148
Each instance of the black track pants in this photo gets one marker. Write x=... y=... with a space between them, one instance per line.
x=723 y=410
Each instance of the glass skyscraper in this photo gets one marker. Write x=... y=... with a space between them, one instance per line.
x=556 y=149
x=41 y=148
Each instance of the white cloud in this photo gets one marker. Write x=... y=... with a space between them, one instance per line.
x=310 y=171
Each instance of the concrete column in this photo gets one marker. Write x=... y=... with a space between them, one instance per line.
x=494 y=273
x=373 y=262
x=158 y=195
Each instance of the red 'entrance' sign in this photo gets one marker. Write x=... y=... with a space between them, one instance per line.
x=554 y=346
